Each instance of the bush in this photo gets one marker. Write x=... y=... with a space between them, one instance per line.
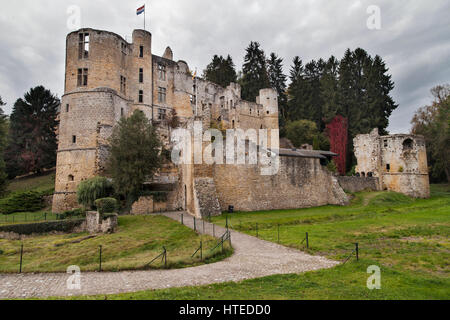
x=79 y=213
x=106 y=205
x=29 y=201
x=332 y=166
x=43 y=227
x=92 y=189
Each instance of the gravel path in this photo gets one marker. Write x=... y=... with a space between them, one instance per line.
x=253 y=258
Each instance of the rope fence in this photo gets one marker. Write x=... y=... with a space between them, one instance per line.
x=275 y=234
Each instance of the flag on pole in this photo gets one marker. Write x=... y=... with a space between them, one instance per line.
x=140 y=10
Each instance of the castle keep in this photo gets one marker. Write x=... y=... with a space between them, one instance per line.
x=107 y=78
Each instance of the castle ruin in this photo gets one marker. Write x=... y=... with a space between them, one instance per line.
x=107 y=78
x=399 y=162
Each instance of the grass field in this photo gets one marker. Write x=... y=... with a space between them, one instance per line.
x=408 y=239
x=138 y=240
x=43 y=182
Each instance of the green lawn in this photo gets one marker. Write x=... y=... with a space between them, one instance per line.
x=138 y=240
x=408 y=239
x=42 y=182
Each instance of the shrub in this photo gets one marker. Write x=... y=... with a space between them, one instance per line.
x=332 y=166
x=400 y=169
x=43 y=227
x=29 y=201
x=352 y=171
x=106 y=205
x=79 y=213
x=92 y=189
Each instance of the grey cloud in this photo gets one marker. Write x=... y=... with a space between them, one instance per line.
x=414 y=39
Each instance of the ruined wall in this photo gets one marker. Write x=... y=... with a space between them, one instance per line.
x=357 y=184
x=404 y=165
x=206 y=198
x=399 y=160
x=367 y=152
x=301 y=182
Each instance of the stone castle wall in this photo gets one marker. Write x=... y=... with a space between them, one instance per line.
x=357 y=184
x=301 y=182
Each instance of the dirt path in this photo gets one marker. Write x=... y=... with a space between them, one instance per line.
x=253 y=258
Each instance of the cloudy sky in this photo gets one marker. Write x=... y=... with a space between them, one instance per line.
x=414 y=38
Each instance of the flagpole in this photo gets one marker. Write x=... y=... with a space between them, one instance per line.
x=144 y=16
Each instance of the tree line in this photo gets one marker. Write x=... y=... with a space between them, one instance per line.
x=28 y=140
x=357 y=87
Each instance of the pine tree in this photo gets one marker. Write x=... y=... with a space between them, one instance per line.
x=329 y=90
x=3 y=141
x=32 y=146
x=221 y=71
x=255 y=75
x=312 y=101
x=277 y=81
x=296 y=91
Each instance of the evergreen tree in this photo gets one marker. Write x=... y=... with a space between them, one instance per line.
x=32 y=146
x=296 y=91
x=312 y=98
x=254 y=77
x=329 y=90
x=221 y=71
x=135 y=155
x=3 y=141
x=277 y=81
x=380 y=103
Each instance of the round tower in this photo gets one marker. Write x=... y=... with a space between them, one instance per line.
x=102 y=84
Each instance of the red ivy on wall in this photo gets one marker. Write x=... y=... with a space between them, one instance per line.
x=337 y=131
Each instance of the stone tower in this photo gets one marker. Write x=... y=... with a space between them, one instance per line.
x=400 y=162
x=106 y=78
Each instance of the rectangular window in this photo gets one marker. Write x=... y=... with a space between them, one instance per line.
x=161 y=114
x=82 y=77
x=123 y=84
x=83 y=46
x=388 y=167
x=141 y=96
x=141 y=51
x=67 y=107
x=121 y=112
x=161 y=72
x=162 y=95
x=74 y=139
x=141 y=75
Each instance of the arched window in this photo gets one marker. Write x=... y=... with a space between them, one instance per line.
x=408 y=144
x=71 y=177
